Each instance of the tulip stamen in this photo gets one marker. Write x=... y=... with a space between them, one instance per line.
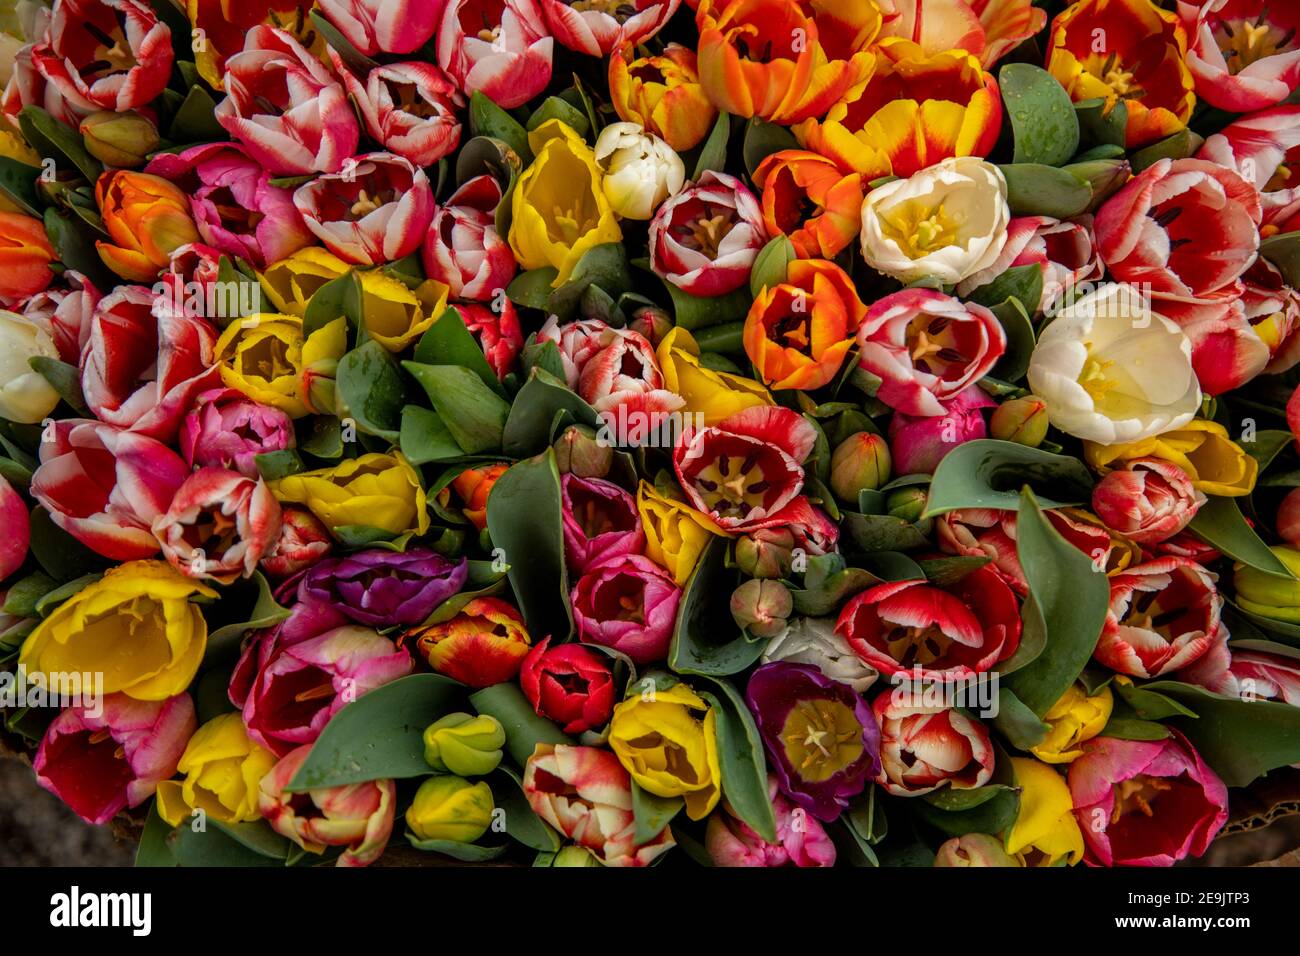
x=99 y=736
x=316 y=693
x=1138 y=794
x=708 y=233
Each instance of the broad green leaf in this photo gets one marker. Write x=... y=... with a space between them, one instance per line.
x=1220 y=524
x=771 y=265
x=424 y=438
x=740 y=754
x=153 y=849
x=652 y=813
x=1042 y=116
x=473 y=413
x=64 y=379
x=1037 y=190
x=884 y=533
x=370 y=390
x=57 y=141
x=527 y=430
x=555 y=108
x=762 y=139
x=713 y=154
x=1020 y=725
x=521 y=822
x=523 y=727
x=449 y=342
x=989 y=474
x=706 y=639
x=18 y=184
x=465 y=852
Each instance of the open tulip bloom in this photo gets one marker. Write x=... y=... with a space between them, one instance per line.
x=748 y=432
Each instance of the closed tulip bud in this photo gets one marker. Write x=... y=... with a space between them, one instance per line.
x=973 y=849
x=906 y=503
x=860 y=463
x=1021 y=420
x=652 y=322
x=450 y=808
x=1271 y=595
x=575 y=856
x=766 y=554
x=579 y=452
x=464 y=745
x=762 y=606
x=1105 y=176
x=119 y=139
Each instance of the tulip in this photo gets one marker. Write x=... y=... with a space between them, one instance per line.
x=639 y=170
x=625 y=375
x=106 y=487
x=1091 y=367
x=1164 y=614
x=25 y=257
x=1248 y=675
x=501 y=48
x=464 y=745
x=705 y=238
x=1147 y=501
x=666 y=738
x=292 y=282
x=675 y=534
x=119 y=139
x=409 y=108
x=474 y=486
x=585 y=794
x=1074 y=719
x=222 y=768
x=860 y=463
x=800 y=841
x=64 y=313
x=396 y=315
x=662 y=94
x=714 y=395
x=219 y=525
x=463 y=249
x=973 y=849
x=919 y=443
x=761 y=607
x=147 y=219
x=498 y=333
x=451 y=808
x=814 y=642
x=989 y=28
x=1271 y=309
x=1142 y=63
x=569 y=684
x=142 y=371
x=1118 y=783
x=578 y=342
x=317 y=390
x=226 y=23
x=25 y=396
x=1288 y=518
x=235 y=207
x=598 y=30
x=136 y=628
x=784 y=64
x=1045 y=832
x=1215 y=464
x=559 y=195
x=628 y=603
x=1021 y=420
x=372 y=490
x=1063 y=251
x=1270 y=595
x=192 y=287
x=13 y=547
x=379 y=26
x=918 y=108
x=303 y=541
x=1242 y=55
x=811 y=201
x=105 y=54
x=579 y=452
x=382 y=588
x=907 y=504
x=261 y=356
x=924 y=748
x=375 y=211
x=357 y=816
x=1260 y=148
x=286 y=109
x=225 y=429
x=600 y=522
x=484 y=644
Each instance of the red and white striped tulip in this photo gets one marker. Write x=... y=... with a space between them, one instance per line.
x=409 y=108
x=500 y=48
x=219 y=525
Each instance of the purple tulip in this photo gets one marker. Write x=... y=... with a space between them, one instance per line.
x=600 y=522
x=381 y=588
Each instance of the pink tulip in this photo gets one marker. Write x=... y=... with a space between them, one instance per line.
x=1179 y=592
x=106 y=486
x=1147 y=501
x=501 y=48
x=27 y=87
x=600 y=522
x=1064 y=251
x=303 y=541
x=65 y=312
x=219 y=525
x=284 y=106
x=357 y=816
x=17 y=534
x=142 y=370
x=800 y=838
x=384 y=26
x=464 y=249
x=578 y=343
x=1145 y=803
x=628 y=603
x=918 y=443
x=704 y=240
x=624 y=368
x=1225 y=77
x=192 y=287
x=227 y=429
x=409 y=108
x=925 y=747
x=1257 y=147
x=498 y=333
x=1246 y=674
x=374 y=212
x=101 y=763
x=591 y=30
x=235 y=207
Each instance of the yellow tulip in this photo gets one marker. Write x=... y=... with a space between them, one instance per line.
x=1075 y=718
x=13 y=146
x=675 y=533
x=715 y=395
x=1213 y=461
x=559 y=210
x=320 y=363
x=395 y=314
x=261 y=356
x=667 y=740
x=374 y=490
x=135 y=629
x=1271 y=595
x=1045 y=832
x=450 y=808
x=292 y=282
x=222 y=769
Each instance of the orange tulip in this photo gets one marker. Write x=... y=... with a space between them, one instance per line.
x=810 y=200
x=916 y=110
x=798 y=333
x=25 y=256
x=147 y=218
x=1128 y=50
x=781 y=60
x=663 y=94
x=473 y=485
x=484 y=644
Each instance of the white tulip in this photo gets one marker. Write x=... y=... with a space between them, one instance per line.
x=813 y=641
x=1112 y=371
x=948 y=221
x=25 y=396
x=640 y=170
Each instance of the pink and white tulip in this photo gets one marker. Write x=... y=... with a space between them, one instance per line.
x=1147 y=501
x=599 y=31
x=1243 y=54
x=384 y=26
x=227 y=429
x=409 y=108
x=705 y=238
x=304 y=541
x=65 y=312
x=923 y=748
x=464 y=250
x=1164 y=615
x=1064 y=251
x=219 y=525
x=500 y=48
x=800 y=838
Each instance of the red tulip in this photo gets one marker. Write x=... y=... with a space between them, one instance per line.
x=65 y=312
x=1147 y=501
x=923 y=748
x=1164 y=614
x=498 y=333
x=569 y=684
x=625 y=367
x=219 y=525
x=409 y=108
x=704 y=239
x=303 y=541
x=501 y=48
x=463 y=250
x=1242 y=53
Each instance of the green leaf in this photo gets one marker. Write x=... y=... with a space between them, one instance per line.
x=1021 y=282
x=337 y=299
x=1283 y=251
x=18 y=184
x=52 y=599
x=1042 y=115
x=449 y=342
x=989 y=474
x=194 y=121
x=706 y=312
x=706 y=639
x=952 y=800
x=58 y=553
x=212 y=847
x=473 y=413
x=652 y=813
x=884 y=533
x=1220 y=524
x=771 y=265
x=488 y=119
x=1151 y=704
x=1134 y=728
x=992 y=816
x=1180 y=145
x=762 y=139
x=1020 y=725
x=1101 y=126
x=341 y=45
x=75 y=246
x=424 y=438
x=740 y=755
x=1037 y=190
x=380 y=735
x=1068 y=601
x=522 y=823
x=543 y=398
x=465 y=852
x=64 y=379
x=523 y=727
x=273 y=465
x=605 y=265
x=532 y=289
x=713 y=155
x=153 y=849
x=258 y=837
x=555 y=108
x=370 y=390
x=24 y=594
x=828 y=583
x=54 y=140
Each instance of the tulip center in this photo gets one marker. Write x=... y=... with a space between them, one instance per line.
x=267 y=358
x=407 y=99
x=919 y=229
x=1243 y=43
x=1094 y=378
x=821 y=738
x=235 y=216
x=211 y=532
x=620 y=10
x=917 y=646
x=1138 y=794
x=1123 y=82
x=113 y=55
x=707 y=233
x=365 y=203
x=730 y=485
x=1147 y=614
x=932 y=343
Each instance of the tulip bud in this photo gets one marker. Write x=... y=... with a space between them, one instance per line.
x=464 y=745
x=762 y=607
x=124 y=140
x=907 y=504
x=578 y=452
x=1105 y=176
x=652 y=322
x=575 y=856
x=769 y=554
x=450 y=808
x=860 y=463
x=1021 y=420
x=973 y=849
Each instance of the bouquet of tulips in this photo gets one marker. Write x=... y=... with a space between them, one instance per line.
x=739 y=432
